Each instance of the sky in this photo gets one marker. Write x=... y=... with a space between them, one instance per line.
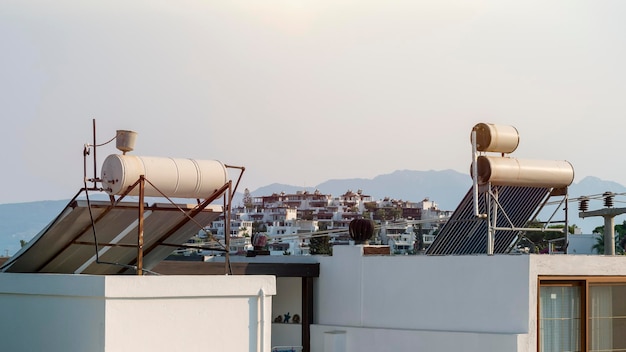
x=300 y=92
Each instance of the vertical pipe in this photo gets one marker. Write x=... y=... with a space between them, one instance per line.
x=566 y=206
x=493 y=218
x=475 y=173
x=142 y=184
x=260 y=321
x=609 y=235
x=227 y=227
x=95 y=175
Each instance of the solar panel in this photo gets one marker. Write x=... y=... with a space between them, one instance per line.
x=67 y=244
x=465 y=233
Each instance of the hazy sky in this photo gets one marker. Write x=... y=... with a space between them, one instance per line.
x=300 y=92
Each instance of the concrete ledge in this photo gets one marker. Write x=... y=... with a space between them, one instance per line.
x=353 y=339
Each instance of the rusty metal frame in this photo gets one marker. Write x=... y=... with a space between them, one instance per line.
x=226 y=190
x=188 y=216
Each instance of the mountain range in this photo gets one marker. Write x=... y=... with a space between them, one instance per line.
x=22 y=221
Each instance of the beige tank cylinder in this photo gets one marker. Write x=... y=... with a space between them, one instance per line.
x=501 y=171
x=178 y=178
x=496 y=138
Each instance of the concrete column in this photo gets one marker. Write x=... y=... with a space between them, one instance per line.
x=609 y=235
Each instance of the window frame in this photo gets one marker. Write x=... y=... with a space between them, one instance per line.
x=584 y=282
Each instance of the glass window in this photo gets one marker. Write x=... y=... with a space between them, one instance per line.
x=559 y=320
x=607 y=317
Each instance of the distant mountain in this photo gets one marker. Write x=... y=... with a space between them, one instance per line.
x=594 y=186
x=22 y=221
x=446 y=188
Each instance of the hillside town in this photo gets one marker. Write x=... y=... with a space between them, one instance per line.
x=305 y=223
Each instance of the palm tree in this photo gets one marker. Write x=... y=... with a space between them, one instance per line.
x=599 y=246
x=620 y=238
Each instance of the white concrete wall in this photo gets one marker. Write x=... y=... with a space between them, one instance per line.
x=132 y=313
x=408 y=303
x=51 y=313
x=451 y=293
x=437 y=303
x=582 y=244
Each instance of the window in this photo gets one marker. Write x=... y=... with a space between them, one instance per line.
x=586 y=314
x=560 y=318
x=607 y=317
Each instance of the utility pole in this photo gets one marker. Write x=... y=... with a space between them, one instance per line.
x=608 y=213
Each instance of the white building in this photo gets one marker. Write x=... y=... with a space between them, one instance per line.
x=334 y=211
x=66 y=313
x=238 y=228
x=285 y=237
x=403 y=243
x=469 y=303
x=357 y=302
x=432 y=217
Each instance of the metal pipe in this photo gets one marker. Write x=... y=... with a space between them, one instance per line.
x=95 y=175
x=475 y=174
x=142 y=184
x=227 y=228
x=260 y=333
x=529 y=229
x=242 y=169
x=105 y=244
x=566 y=230
x=493 y=222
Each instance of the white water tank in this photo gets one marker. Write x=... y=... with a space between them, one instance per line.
x=177 y=178
x=501 y=171
x=496 y=138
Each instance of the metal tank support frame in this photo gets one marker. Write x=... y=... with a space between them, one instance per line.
x=226 y=191
x=504 y=144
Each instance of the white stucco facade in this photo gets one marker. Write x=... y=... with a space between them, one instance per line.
x=47 y=312
x=437 y=303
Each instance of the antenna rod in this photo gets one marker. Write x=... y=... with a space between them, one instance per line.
x=94 y=154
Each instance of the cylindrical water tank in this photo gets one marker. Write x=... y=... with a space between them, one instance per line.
x=496 y=138
x=501 y=171
x=178 y=178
